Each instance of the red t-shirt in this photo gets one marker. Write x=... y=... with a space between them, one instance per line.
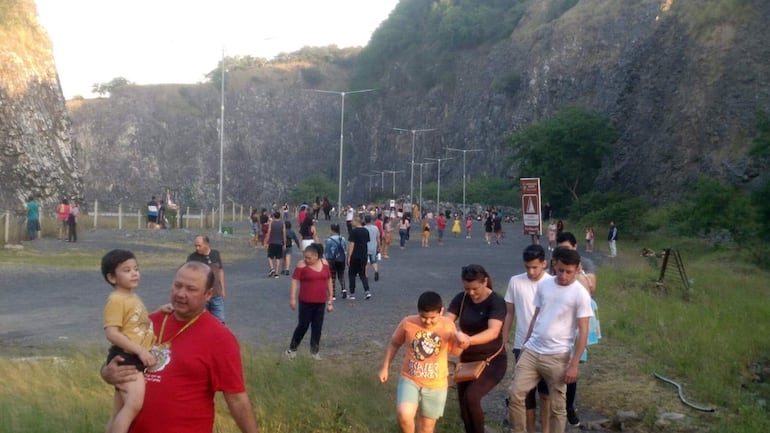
x=179 y=395
x=440 y=223
x=312 y=284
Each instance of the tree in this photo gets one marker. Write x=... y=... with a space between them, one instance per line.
x=103 y=89
x=565 y=152
x=314 y=186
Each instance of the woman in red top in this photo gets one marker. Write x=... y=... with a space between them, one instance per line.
x=313 y=279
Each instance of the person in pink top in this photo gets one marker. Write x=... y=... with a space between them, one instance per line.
x=429 y=337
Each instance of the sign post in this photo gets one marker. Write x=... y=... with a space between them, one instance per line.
x=530 y=206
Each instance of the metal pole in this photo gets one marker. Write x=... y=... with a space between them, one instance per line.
x=438 y=189
x=342 y=137
x=411 y=177
x=464 y=151
x=221 y=143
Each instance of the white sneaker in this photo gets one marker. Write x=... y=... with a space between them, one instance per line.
x=290 y=354
x=316 y=356
x=352 y=298
x=368 y=295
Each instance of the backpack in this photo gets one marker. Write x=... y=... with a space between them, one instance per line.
x=338 y=255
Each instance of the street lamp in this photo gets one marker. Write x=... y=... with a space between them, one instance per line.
x=464 y=151
x=221 y=143
x=421 y=164
x=370 y=176
x=342 y=134
x=411 y=178
x=438 y=190
x=382 y=179
x=393 y=172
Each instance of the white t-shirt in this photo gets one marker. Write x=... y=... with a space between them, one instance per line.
x=521 y=293
x=556 y=323
x=349 y=214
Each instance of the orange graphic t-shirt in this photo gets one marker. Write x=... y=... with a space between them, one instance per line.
x=425 y=360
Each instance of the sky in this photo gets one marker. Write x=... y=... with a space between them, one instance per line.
x=179 y=41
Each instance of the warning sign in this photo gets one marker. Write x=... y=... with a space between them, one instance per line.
x=530 y=206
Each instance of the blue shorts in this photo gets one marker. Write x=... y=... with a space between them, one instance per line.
x=430 y=402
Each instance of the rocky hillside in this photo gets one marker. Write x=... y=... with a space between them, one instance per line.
x=37 y=155
x=681 y=80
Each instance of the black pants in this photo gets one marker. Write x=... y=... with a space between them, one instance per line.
x=469 y=393
x=73 y=232
x=357 y=268
x=309 y=315
x=338 y=273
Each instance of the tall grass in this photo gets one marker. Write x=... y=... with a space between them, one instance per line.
x=64 y=393
x=707 y=341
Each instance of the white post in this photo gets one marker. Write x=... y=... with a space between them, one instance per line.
x=7 y=224
x=120 y=216
x=96 y=212
x=240 y=216
x=139 y=219
x=233 y=211
x=201 y=217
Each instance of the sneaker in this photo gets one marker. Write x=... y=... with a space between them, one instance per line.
x=334 y=298
x=286 y=272
x=316 y=356
x=275 y=275
x=271 y=273
x=290 y=354
x=352 y=297
x=368 y=295
x=376 y=276
x=344 y=294
x=572 y=418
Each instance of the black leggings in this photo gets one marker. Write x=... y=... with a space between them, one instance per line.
x=311 y=315
x=338 y=273
x=469 y=393
x=357 y=267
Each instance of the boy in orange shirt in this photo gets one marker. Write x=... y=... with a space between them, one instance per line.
x=430 y=337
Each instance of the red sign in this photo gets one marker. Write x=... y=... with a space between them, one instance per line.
x=530 y=206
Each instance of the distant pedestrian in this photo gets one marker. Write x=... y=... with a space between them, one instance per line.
x=468 y=226
x=590 y=237
x=336 y=253
x=425 y=223
x=373 y=246
x=357 y=253
x=275 y=241
x=456 y=226
x=291 y=240
x=72 y=222
x=62 y=212
x=307 y=232
x=488 y=226
x=312 y=279
x=612 y=237
x=387 y=236
x=350 y=212
x=152 y=213
x=205 y=254
x=497 y=226
x=33 y=217
x=403 y=230
x=551 y=235
x=440 y=227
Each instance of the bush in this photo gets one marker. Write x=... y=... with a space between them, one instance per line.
x=598 y=209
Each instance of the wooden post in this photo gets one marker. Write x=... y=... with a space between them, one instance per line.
x=7 y=224
x=120 y=216
x=96 y=212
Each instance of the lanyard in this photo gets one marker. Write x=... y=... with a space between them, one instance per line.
x=163 y=327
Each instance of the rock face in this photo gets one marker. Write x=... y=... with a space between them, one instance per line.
x=681 y=80
x=37 y=156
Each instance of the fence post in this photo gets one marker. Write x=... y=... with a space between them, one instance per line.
x=138 y=219
x=120 y=216
x=7 y=224
x=96 y=212
x=201 y=217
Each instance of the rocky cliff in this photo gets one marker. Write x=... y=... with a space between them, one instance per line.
x=681 y=80
x=37 y=156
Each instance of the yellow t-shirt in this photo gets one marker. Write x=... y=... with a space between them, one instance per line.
x=425 y=360
x=127 y=312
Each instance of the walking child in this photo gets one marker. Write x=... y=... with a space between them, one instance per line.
x=128 y=328
x=422 y=387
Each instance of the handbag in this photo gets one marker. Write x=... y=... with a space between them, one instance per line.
x=466 y=371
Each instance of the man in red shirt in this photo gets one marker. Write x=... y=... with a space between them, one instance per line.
x=197 y=357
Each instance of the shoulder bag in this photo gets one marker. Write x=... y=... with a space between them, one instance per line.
x=466 y=371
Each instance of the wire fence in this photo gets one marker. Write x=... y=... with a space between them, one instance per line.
x=14 y=223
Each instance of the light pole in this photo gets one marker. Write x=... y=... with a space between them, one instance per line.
x=370 y=176
x=438 y=189
x=342 y=135
x=422 y=164
x=464 y=151
x=382 y=179
x=393 y=172
x=411 y=178
x=221 y=144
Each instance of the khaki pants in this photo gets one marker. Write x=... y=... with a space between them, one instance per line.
x=530 y=368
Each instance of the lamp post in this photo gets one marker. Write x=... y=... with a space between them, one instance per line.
x=382 y=179
x=438 y=189
x=422 y=164
x=411 y=177
x=342 y=135
x=393 y=172
x=464 y=151
x=370 y=176
x=221 y=143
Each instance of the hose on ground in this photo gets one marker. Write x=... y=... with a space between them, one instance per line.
x=681 y=395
